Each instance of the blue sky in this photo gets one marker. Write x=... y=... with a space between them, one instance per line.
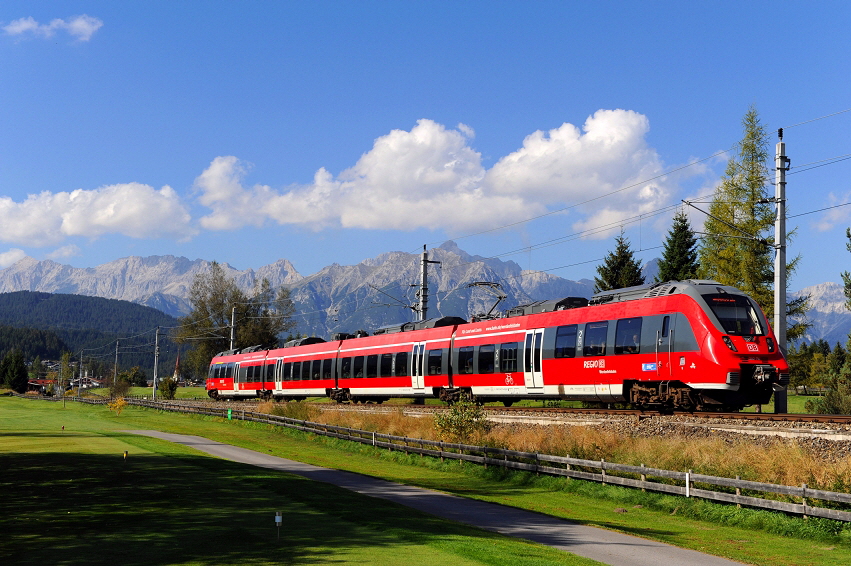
x=331 y=132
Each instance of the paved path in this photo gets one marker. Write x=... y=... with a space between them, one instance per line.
x=599 y=544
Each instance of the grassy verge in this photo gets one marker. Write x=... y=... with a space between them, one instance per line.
x=743 y=535
x=70 y=497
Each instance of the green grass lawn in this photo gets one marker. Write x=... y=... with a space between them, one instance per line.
x=70 y=497
x=794 y=404
x=199 y=496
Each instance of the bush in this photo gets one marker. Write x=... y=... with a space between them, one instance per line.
x=463 y=422
x=167 y=388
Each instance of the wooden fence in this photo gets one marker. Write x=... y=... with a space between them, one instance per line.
x=686 y=484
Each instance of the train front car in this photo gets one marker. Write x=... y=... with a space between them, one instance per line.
x=712 y=347
x=741 y=342
x=238 y=374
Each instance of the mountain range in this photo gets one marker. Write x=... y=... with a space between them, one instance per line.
x=374 y=293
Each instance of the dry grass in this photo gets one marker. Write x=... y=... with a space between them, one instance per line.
x=778 y=461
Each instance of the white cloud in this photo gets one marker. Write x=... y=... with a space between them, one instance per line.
x=834 y=216
x=79 y=27
x=430 y=177
x=70 y=250
x=12 y=256
x=131 y=209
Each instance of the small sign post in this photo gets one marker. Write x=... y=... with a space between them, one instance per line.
x=278 y=520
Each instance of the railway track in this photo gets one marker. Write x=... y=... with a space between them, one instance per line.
x=636 y=414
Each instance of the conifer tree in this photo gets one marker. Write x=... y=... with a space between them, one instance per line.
x=619 y=268
x=737 y=248
x=846 y=277
x=16 y=371
x=679 y=258
x=734 y=251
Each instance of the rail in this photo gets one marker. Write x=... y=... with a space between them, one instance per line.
x=686 y=484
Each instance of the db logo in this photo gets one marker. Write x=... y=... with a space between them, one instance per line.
x=509 y=380
x=753 y=347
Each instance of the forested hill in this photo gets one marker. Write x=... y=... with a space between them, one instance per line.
x=28 y=309
x=81 y=322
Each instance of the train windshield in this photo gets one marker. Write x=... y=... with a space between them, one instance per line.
x=736 y=314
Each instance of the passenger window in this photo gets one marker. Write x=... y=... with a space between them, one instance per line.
x=401 y=364
x=628 y=336
x=346 y=368
x=666 y=323
x=565 y=341
x=327 y=369
x=357 y=367
x=296 y=371
x=386 y=365
x=508 y=357
x=435 y=362
x=372 y=365
x=486 y=358
x=595 y=338
x=465 y=360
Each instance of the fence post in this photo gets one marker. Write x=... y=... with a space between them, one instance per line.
x=688 y=483
x=603 y=470
x=537 y=471
x=643 y=479
x=738 y=492
x=804 y=499
x=441 y=450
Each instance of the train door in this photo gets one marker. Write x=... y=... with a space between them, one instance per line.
x=238 y=374
x=665 y=358
x=532 y=354
x=418 y=366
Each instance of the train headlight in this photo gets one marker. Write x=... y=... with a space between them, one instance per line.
x=770 y=342
x=729 y=343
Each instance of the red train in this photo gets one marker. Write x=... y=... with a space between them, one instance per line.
x=692 y=344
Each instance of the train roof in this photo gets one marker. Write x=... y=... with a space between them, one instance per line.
x=421 y=325
x=546 y=306
x=691 y=287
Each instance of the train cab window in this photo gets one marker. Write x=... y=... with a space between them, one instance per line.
x=229 y=370
x=736 y=314
x=385 y=365
x=465 y=359
x=328 y=369
x=372 y=365
x=666 y=326
x=345 y=368
x=628 y=336
x=595 y=338
x=508 y=357
x=486 y=359
x=435 y=362
x=565 y=341
x=401 y=364
x=357 y=367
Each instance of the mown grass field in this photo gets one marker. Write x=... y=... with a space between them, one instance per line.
x=70 y=497
x=191 y=504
